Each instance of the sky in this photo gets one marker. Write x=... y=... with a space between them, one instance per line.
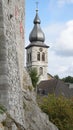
x=57 y=24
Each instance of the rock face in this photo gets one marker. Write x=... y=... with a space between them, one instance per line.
x=35 y=119
x=16 y=91
x=11 y=57
x=3 y=62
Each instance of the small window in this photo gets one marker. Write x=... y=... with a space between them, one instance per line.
x=43 y=56
x=43 y=92
x=40 y=71
x=38 y=56
x=28 y=57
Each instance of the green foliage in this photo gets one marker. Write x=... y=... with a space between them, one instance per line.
x=68 y=79
x=59 y=110
x=34 y=76
x=24 y=104
x=30 y=88
x=56 y=76
x=2 y=109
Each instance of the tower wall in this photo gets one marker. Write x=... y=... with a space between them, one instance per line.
x=11 y=56
x=37 y=50
x=37 y=64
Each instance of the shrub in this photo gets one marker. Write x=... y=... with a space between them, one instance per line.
x=34 y=77
x=59 y=110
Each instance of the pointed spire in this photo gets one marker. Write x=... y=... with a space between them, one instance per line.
x=37 y=6
x=37 y=19
x=37 y=33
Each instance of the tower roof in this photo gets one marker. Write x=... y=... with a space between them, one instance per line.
x=37 y=36
x=36 y=33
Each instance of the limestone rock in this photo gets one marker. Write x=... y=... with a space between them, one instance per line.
x=35 y=119
x=7 y=123
x=27 y=84
x=1 y=126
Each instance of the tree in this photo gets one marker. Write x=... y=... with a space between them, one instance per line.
x=56 y=76
x=68 y=79
x=59 y=110
x=34 y=77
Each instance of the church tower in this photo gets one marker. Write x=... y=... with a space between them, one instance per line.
x=37 y=50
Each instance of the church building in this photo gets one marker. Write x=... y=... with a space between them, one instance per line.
x=37 y=50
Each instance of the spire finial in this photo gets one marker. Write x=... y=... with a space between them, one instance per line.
x=37 y=6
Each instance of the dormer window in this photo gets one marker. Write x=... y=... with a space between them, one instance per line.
x=43 y=56
x=38 y=56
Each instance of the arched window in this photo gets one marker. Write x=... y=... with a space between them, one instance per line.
x=28 y=57
x=38 y=56
x=40 y=71
x=43 y=56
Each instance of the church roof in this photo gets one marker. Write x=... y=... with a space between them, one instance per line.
x=37 y=36
x=37 y=33
x=56 y=86
x=38 y=44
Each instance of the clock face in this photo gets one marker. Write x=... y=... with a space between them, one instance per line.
x=41 y=49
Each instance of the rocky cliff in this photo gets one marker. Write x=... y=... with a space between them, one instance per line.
x=35 y=119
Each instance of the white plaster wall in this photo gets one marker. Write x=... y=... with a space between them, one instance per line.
x=37 y=64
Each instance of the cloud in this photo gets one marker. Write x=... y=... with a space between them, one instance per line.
x=66 y=70
x=70 y=69
x=64 y=43
x=60 y=38
x=62 y=66
x=52 y=32
x=61 y=3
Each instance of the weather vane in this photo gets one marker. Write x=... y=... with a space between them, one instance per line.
x=37 y=5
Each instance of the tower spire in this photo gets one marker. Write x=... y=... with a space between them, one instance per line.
x=37 y=6
x=37 y=34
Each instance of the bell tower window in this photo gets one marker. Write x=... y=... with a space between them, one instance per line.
x=43 y=56
x=38 y=56
x=28 y=57
x=40 y=71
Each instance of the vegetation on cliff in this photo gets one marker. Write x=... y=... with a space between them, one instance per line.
x=34 y=77
x=8 y=121
x=59 y=110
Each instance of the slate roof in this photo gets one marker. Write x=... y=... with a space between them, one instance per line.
x=55 y=86
x=37 y=36
x=38 y=44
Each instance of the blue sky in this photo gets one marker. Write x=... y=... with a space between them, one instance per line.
x=57 y=23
